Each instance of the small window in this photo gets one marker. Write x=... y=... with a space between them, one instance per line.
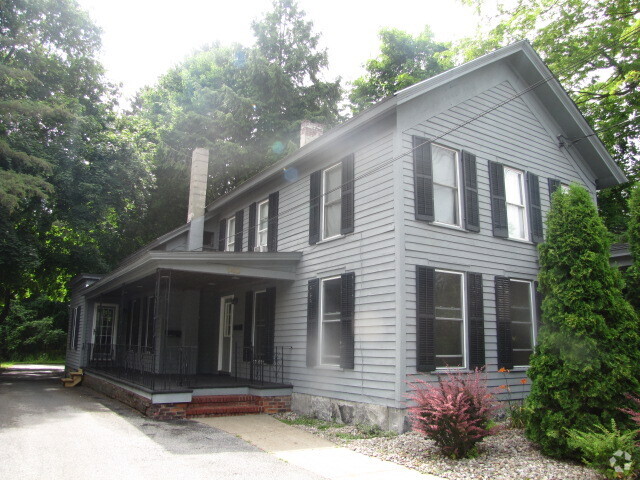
x=231 y=234
x=330 y=321
x=445 y=185
x=263 y=224
x=331 y=201
x=516 y=206
x=522 y=332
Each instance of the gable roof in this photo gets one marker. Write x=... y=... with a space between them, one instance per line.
x=523 y=59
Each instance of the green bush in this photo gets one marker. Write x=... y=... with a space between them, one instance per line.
x=589 y=345
x=610 y=451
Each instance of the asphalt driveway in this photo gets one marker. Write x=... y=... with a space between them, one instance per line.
x=51 y=432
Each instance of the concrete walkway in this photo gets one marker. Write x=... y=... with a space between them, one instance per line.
x=310 y=452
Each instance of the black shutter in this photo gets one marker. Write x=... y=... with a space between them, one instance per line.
x=503 y=316
x=347 y=201
x=470 y=178
x=239 y=227
x=251 y=241
x=425 y=319
x=538 y=297
x=347 y=320
x=76 y=334
x=269 y=334
x=313 y=291
x=476 y=320
x=222 y=239
x=247 y=353
x=535 y=209
x=272 y=232
x=554 y=184
x=315 y=184
x=498 y=200
x=423 y=178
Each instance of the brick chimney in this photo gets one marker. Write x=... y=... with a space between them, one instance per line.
x=309 y=131
x=197 y=197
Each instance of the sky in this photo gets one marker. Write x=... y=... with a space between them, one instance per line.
x=142 y=39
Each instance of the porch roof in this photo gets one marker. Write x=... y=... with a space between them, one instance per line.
x=263 y=265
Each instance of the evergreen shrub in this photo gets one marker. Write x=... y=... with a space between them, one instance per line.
x=588 y=348
x=456 y=412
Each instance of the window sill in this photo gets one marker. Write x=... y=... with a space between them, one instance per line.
x=330 y=239
x=335 y=368
x=447 y=225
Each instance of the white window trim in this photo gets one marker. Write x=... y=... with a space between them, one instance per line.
x=322 y=203
x=230 y=241
x=532 y=316
x=74 y=322
x=321 y=321
x=465 y=329
x=458 y=187
x=524 y=205
x=258 y=219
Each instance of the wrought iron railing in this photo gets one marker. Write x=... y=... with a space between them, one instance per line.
x=141 y=366
x=260 y=367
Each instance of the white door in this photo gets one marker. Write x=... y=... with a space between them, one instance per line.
x=226 y=334
x=104 y=331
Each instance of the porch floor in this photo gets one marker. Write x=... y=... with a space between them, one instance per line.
x=168 y=383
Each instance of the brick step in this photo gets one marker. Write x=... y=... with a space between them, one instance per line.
x=221 y=410
x=223 y=398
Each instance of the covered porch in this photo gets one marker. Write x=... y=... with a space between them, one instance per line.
x=202 y=323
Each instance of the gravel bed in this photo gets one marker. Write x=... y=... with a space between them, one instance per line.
x=505 y=456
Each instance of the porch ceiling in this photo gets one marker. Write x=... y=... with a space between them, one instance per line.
x=230 y=265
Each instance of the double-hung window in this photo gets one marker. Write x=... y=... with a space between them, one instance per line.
x=445 y=185
x=74 y=329
x=450 y=319
x=330 y=321
x=516 y=205
x=446 y=194
x=262 y=225
x=516 y=211
x=259 y=325
x=331 y=201
x=231 y=235
x=329 y=337
x=515 y=300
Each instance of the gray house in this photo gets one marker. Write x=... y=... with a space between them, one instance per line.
x=399 y=245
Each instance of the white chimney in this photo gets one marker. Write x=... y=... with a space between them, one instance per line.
x=197 y=197
x=309 y=131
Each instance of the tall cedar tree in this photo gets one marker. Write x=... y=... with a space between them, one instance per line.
x=632 y=275
x=589 y=345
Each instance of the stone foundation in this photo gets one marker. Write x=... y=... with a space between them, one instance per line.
x=341 y=411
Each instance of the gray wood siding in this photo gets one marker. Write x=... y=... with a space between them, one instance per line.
x=516 y=135
x=369 y=252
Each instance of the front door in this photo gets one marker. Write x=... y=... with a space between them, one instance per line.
x=104 y=331
x=226 y=334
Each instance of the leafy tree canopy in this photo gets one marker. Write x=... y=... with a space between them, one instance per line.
x=403 y=61
x=593 y=47
x=244 y=104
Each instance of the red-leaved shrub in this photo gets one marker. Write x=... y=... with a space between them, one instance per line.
x=455 y=412
x=635 y=414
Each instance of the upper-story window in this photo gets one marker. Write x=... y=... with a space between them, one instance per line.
x=516 y=204
x=331 y=201
x=445 y=185
x=516 y=210
x=231 y=235
x=263 y=224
